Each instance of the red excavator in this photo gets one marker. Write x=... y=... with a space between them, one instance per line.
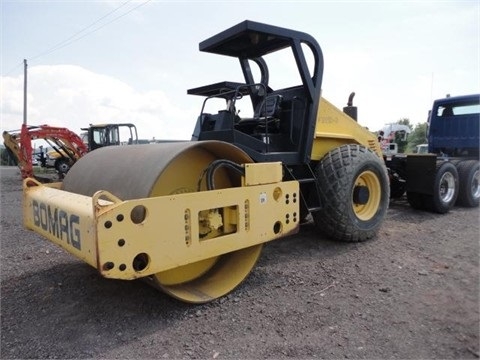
x=65 y=143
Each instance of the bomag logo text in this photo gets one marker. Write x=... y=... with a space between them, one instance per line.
x=59 y=223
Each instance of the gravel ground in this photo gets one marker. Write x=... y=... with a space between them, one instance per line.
x=411 y=293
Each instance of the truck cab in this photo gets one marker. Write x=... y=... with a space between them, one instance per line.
x=454 y=126
x=448 y=173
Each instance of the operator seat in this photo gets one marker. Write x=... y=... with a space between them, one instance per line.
x=267 y=110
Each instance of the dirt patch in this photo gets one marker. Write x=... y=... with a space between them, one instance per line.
x=412 y=292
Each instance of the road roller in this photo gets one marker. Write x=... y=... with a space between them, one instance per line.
x=191 y=217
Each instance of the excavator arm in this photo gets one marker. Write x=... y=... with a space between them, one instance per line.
x=19 y=144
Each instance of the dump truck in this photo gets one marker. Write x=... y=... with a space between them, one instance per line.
x=191 y=217
x=448 y=174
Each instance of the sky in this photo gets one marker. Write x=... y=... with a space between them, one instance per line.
x=133 y=61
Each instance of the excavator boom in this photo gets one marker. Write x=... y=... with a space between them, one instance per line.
x=19 y=144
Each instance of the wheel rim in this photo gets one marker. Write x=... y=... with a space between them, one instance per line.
x=447 y=187
x=366 y=210
x=475 y=185
x=63 y=167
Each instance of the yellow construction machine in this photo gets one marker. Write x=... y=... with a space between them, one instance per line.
x=191 y=217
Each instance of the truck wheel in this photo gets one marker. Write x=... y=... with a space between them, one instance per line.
x=62 y=165
x=469 y=176
x=354 y=192
x=445 y=189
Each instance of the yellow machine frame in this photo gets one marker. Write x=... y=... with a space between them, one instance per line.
x=136 y=238
x=335 y=128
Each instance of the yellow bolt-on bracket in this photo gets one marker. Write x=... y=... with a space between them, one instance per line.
x=136 y=238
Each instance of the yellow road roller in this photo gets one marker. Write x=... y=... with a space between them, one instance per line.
x=191 y=217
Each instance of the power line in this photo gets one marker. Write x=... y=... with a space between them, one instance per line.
x=15 y=67
x=74 y=38
x=69 y=39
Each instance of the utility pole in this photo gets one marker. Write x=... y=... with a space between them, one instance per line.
x=25 y=91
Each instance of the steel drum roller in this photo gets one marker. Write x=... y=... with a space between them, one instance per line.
x=141 y=171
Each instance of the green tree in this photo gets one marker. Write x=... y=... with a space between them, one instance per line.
x=5 y=158
x=417 y=136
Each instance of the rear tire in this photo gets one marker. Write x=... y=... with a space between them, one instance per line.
x=354 y=192
x=469 y=176
x=62 y=165
x=445 y=189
